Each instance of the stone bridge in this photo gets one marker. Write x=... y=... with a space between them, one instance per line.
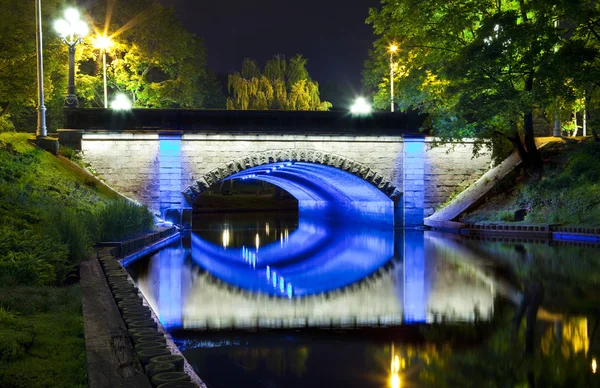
x=167 y=158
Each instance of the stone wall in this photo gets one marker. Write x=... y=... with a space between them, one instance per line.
x=450 y=169
x=135 y=163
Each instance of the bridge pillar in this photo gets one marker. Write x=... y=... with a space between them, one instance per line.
x=414 y=181
x=170 y=171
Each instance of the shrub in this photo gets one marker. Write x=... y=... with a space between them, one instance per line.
x=6 y=125
x=69 y=153
x=30 y=255
x=72 y=230
x=5 y=315
x=120 y=219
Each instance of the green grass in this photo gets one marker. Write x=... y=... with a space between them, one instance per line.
x=41 y=337
x=568 y=193
x=51 y=213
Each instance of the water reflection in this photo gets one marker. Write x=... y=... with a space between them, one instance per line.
x=470 y=339
x=322 y=275
x=317 y=257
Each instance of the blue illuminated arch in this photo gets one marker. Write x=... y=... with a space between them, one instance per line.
x=326 y=185
x=338 y=162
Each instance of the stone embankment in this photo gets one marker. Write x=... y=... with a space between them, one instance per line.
x=126 y=345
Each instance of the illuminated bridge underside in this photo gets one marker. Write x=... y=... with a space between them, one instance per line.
x=329 y=192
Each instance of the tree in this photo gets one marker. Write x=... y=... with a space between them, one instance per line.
x=580 y=59
x=480 y=69
x=18 y=71
x=282 y=85
x=154 y=59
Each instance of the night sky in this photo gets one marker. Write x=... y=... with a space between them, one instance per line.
x=332 y=34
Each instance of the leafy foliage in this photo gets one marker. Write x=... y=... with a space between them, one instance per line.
x=282 y=85
x=480 y=69
x=18 y=71
x=153 y=60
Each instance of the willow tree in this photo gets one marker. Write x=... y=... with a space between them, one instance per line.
x=479 y=68
x=281 y=85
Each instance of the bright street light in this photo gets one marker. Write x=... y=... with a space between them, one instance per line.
x=103 y=43
x=121 y=102
x=360 y=107
x=71 y=30
x=393 y=49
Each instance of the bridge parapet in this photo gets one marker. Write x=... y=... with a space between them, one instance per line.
x=249 y=121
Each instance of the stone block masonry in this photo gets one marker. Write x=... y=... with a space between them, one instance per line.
x=156 y=168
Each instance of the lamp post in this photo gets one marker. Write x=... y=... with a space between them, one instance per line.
x=103 y=42
x=71 y=30
x=41 y=116
x=393 y=49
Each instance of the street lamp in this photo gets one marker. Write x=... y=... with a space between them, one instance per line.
x=121 y=102
x=393 y=49
x=41 y=109
x=103 y=42
x=71 y=30
x=360 y=107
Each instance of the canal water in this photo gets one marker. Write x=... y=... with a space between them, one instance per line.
x=274 y=300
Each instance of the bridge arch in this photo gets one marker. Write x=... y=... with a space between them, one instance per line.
x=229 y=169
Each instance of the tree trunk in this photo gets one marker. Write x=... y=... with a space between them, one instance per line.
x=588 y=101
x=534 y=163
x=5 y=109
x=518 y=144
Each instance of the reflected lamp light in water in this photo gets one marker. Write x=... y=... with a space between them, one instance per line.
x=594 y=365
x=395 y=381
x=225 y=238
x=395 y=365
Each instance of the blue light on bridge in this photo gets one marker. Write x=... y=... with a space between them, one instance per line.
x=328 y=191
x=170 y=173
x=414 y=181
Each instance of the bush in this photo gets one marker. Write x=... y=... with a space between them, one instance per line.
x=71 y=227
x=120 y=219
x=30 y=255
x=6 y=125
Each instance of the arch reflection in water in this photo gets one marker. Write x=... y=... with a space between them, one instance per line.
x=317 y=257
x=432 y=279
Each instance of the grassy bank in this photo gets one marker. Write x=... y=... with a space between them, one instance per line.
x=51 y=214
x=568 y=193
x=41 y=337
